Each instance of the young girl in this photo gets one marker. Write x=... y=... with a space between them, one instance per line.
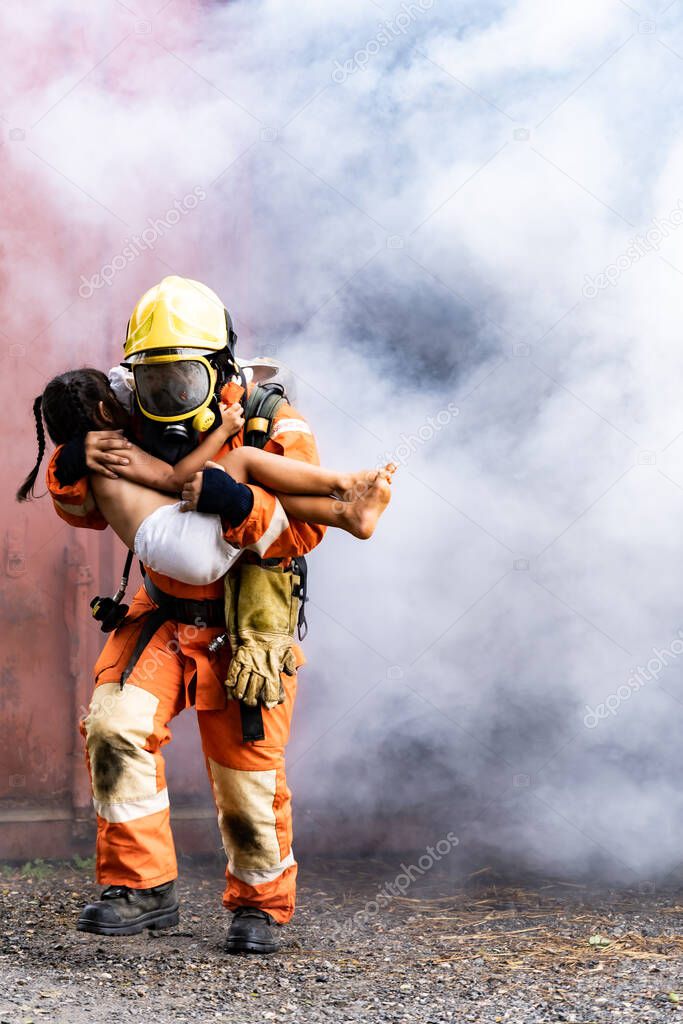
x=169 y=536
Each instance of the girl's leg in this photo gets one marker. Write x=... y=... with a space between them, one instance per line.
x=358 y=517
x=124 y=504
x=289 y=476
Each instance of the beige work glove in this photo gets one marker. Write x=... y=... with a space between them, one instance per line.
x=261 y=613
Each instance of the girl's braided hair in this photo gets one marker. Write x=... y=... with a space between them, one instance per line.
x=70 y=405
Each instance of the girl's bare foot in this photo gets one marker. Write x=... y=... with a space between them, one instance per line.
x=362 y=514
x=355 y=485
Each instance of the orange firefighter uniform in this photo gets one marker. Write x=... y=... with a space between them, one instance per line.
x=127 y=726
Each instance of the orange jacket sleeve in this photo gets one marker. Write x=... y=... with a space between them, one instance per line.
x=267 y=530
x=74 y=503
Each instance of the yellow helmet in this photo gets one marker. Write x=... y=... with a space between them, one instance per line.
x=175 y=335
x=177 y=313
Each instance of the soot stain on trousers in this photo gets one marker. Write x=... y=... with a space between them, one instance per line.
x=108 y=763
x=242 y=832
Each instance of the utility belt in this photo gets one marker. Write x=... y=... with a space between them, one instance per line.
x=188 y=611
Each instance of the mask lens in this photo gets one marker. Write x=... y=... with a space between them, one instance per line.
x=172 y=389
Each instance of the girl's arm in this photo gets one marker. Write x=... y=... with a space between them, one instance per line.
x=149 y=471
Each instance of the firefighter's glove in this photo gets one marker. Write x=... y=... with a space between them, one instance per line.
x=261 y=614
x=254 y=672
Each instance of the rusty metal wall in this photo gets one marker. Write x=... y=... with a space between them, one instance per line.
x=49 y=571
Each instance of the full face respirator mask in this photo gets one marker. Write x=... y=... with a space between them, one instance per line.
x=178 y=386
x=177 y=393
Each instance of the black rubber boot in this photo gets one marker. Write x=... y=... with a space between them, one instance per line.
x=125 y=911
x=250 y=932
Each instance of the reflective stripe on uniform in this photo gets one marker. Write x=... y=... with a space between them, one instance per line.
x=264 y=876
x=76 y=510
x=132 y=809
x=277 y=526
x=290 y=426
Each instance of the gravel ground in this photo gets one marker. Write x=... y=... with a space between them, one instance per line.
x=481 y=950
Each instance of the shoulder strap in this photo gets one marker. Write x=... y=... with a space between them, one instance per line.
x=259 y=412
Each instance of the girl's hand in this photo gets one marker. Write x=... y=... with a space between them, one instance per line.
x=105 y=450
x=232 y=417
x=192 y=488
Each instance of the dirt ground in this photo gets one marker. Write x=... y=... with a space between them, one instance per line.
x=479 y=950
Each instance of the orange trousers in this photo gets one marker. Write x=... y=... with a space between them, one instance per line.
x=124 y=732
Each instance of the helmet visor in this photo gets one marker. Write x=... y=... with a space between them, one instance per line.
x=172 y=390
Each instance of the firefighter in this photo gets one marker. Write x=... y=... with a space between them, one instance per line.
x=180 y=346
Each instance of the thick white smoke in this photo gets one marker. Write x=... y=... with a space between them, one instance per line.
x=461 y=225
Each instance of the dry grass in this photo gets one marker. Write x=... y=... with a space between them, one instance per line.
x=569 y=936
